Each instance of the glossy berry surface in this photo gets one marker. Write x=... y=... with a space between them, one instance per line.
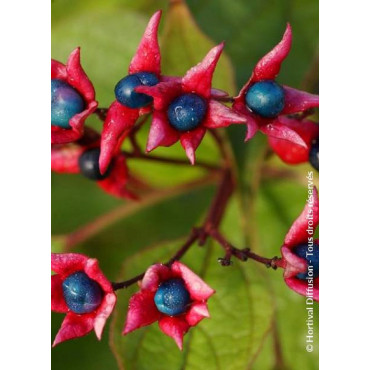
x=186 y=112
x=314 y=154
x=65 y=103
x=265 y=98
x=125 y=93
x=82 y=294
x=312 y=258
x=89 y=165
x=172 y=297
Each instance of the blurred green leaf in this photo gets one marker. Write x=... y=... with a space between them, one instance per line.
x=184 y=45
x=108 y=37
x=72 y=206
x=58 y=244
x=251 y=28
x=146 y=6
x=170 y=218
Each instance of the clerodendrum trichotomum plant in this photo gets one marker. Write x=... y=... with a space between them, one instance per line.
x=182 y=108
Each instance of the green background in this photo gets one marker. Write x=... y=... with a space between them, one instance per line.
x=253 y=311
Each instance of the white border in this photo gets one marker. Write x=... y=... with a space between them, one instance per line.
x=344 y=184
x=25 y=185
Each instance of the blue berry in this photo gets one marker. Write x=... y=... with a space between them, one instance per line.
x=314 y=154
x=265 y=98
x=311 y=255
x=172 y=297
x=65 y=103
x=186 y=112
x=89 y=165
x=125 y=93
x=82 y=294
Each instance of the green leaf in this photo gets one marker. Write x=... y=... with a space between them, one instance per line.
x=241 y=312
x=58 y=244
x=108 y=37
x=75 y=201
x=251 y=28
x=184 y=45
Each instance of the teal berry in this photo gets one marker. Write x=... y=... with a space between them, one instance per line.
x=172 y=297
x=89 y=165
x=125 y=93
x=311 y=255
x=81 y=294
x=186 y=112
x=265 y=98
x=314 y=154
x=65 y=103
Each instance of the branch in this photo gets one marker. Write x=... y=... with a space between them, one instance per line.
x=133 y=134
x=242 y=254
x=139 y=155
x=209 y=229
x=212 y=221
x=221 y=145
x=188 y=243
x=94 y=227
x=101 y=113
x=218 y=206
x=224 y=99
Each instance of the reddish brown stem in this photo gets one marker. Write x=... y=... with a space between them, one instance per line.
x=135 y=146
x=125 y=284
x=224 y=99
x=188 y=243
x=142 y=156
x=218 y=205
x=139 y=124
x=221 y=145
x=241 y=254
x=133 y=133
x=101 y=113
x=94 y=227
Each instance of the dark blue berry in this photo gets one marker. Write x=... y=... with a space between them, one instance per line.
x=311 y=255
x=265 y=98
x=89 y=165
x=314 y=154
x=125 y=93
x=82 y=294
x=172 y=297
x=186 y=112
x=65 y=103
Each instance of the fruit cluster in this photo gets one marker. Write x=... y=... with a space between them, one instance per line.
x=183 y=109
